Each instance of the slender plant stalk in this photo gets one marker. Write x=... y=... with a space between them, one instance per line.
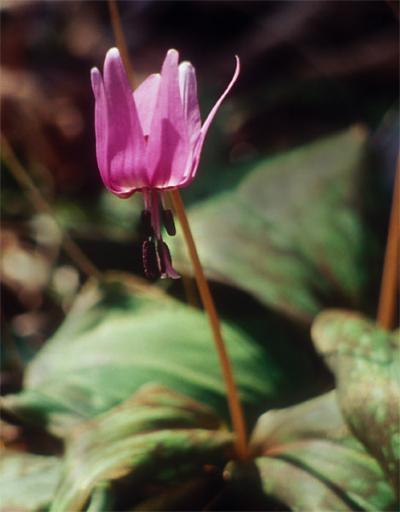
x=190 y=292
x=41 y=205
x=390 y=276
x=206 y=297
x=235 y=408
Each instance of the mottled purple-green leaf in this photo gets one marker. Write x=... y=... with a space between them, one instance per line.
x=157 y=437
x=27 y=481
x=113 y=341
x=366 y=362
x=308 y=460
x=292 y=233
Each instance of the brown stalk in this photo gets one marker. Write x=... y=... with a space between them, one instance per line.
x=235 y=407
x=390 y=276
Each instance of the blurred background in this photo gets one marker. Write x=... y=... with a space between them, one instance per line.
x=310 y=69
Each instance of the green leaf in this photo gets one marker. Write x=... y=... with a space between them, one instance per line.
x=158 y=437
x=113 y=342
x=366 y=363
x=308 y=460
x=101 y=499
x=27 y=482
x=292 y=233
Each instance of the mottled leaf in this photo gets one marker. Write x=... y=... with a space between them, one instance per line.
x=308 y=460
x=113 y=342
x=366 y=362
x=158 y=437
x=27 y=481
x=292 y=233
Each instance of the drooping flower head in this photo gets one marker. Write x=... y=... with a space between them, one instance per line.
x=150 y=140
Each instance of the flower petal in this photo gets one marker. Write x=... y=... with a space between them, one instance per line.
x=168 y=145
x=215 y=108
x=206 y=125
x=188 y=90
x=125 y=140
x=145 y=97
x=101 y=129
x=101 y=124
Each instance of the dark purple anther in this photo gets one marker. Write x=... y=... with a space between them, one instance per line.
x=150 y=260
x=168 y=221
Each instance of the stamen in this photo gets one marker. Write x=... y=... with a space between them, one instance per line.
x=161 y=258
x=168 y=221
x=165 y=257
x=156 y=256
x=146 y=223
x=150 y=260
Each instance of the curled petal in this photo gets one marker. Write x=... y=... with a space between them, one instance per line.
x=206 y=125
x=168 y=145
x=145 y=97
x=215 y=108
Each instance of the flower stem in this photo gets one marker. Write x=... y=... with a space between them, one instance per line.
x=41 y=205
x=208 y=303
x=390 y=275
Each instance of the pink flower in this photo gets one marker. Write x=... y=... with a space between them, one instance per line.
x=150 y=140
